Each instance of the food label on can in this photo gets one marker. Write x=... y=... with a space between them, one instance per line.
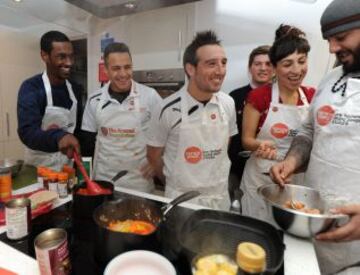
x=54 y=261
x=16 y=222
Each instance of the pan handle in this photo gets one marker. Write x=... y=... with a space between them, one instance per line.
x=183 y=197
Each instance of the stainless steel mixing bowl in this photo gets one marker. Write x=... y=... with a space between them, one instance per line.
x=13 y=165
x=293 y=221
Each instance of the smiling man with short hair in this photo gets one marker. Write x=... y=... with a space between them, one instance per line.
x=190 y=135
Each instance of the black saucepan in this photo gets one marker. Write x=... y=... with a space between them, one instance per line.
x=109 y=244
x=214 y=232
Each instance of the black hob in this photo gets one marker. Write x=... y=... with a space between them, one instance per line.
x=81 y=233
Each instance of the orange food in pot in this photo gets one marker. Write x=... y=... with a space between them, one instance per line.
x=132 y=226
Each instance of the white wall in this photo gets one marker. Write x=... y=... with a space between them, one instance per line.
x=241 y=24
x=245 y=24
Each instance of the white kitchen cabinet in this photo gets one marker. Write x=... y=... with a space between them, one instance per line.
x=20 y=59
x=158 y=38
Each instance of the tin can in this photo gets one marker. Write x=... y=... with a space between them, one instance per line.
x=52 y=253
x=18 y=218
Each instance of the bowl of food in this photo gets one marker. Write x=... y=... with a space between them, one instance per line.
x=300 y=210
x=13 y=165
x=140 y=262
x=213 y=264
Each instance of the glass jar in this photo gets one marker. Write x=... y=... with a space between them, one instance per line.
x=53 y=181
x=251 y=259
x=5 y=184
x=62 y=185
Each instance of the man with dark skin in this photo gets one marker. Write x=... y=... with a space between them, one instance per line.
x=328 y=145
x=49 y=106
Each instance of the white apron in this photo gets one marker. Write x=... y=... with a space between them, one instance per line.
x=54 y=117
x=202 y=162
x=280 y=126
x=120 y=142
x=334 y=167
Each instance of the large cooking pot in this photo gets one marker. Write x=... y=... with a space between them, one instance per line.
x=109 y=244
x=215 y=232
x=84 y=206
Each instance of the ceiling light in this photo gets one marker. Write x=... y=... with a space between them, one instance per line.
x=17 y=1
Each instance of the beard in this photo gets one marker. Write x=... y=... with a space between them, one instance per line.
x=355 y=65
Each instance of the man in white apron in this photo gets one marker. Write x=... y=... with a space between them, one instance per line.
x=48 y=107
x=329 y=143
x=189 y=138
x=120 y=113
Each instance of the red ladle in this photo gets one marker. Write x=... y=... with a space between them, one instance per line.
x=92 y=187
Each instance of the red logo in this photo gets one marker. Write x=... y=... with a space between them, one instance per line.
x=213 y=116
x=279 y=130
x=104 y=131
x=324 y=115
x=193 y=154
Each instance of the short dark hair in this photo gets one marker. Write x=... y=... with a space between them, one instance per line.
x=288 y=39
x=201 y=39
x=264 y=49
x=115 y=47
x=52 y=36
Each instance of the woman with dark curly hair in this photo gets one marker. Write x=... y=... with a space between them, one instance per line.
x=272 y=115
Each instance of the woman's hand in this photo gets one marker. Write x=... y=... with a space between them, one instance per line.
x=266 y=150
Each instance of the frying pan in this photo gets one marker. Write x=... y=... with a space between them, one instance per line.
x=109 y=243
x=214 y=232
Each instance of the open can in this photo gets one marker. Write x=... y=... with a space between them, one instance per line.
x=52 y=253
x=18 y=218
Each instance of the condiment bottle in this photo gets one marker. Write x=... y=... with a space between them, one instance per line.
x=71 y=176
x=40 y=175
x=63 y=184
x=53 y=181
x=251 y=258
x=45 y=173
x=5 y=184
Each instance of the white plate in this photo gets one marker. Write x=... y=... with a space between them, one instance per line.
x=139 y=262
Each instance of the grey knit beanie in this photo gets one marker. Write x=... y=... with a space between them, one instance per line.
x=339 y=16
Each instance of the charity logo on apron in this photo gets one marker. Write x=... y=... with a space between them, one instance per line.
x=120 y=142
x=334 y=163
x=54 y=118
x=202 y=162
x=280 y=126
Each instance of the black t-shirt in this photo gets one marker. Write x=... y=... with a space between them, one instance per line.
x=237 y=163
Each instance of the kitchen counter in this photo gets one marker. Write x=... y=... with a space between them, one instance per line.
x=298 y=251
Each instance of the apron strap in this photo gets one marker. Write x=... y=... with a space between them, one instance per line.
x=275 y=95
x=47 y=86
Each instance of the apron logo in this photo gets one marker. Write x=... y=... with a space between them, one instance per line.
x=324 y=115
x=104 y=131
x=193 y=154
x=213 y=116
x=279 y=130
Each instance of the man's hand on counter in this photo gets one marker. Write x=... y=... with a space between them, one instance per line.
x=67 y=145
x=348 y=232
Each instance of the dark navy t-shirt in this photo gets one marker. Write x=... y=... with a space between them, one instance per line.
x=31 y=108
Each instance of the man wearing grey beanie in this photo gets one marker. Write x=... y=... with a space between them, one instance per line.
x=328 y=145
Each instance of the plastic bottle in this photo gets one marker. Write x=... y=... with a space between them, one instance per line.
x=251 y=259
